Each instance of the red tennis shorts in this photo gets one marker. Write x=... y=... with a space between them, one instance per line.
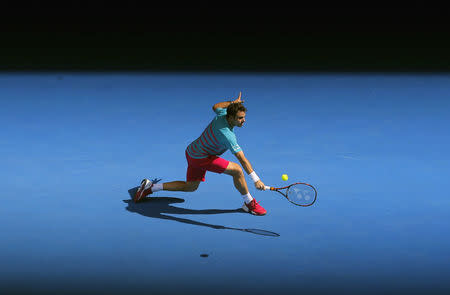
x=197 y=168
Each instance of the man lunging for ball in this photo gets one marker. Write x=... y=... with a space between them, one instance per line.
x=203 y=155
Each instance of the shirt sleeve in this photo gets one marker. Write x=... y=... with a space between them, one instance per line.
x=230 y=143
x=220 y=111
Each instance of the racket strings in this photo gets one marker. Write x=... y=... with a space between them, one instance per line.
x=301 y=195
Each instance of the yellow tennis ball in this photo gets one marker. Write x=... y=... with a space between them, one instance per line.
x=284 y=177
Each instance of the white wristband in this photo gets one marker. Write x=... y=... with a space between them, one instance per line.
x=254 y=176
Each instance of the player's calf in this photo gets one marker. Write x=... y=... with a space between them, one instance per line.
x=181 y=186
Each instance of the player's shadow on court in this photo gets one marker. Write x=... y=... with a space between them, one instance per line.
x=158 y=207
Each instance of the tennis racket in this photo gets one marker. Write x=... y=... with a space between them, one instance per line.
x=299 y=193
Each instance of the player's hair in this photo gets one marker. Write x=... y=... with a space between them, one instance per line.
x=234 y=108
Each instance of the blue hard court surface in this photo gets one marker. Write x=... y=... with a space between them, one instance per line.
x=375 y=146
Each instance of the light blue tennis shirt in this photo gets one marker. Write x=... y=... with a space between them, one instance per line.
x=215 y=139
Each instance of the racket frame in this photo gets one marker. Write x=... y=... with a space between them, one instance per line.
x=277 y=189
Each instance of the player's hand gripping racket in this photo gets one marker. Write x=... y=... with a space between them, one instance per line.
x=299 y=193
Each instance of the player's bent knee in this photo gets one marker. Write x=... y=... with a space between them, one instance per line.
x=234 y=169
x=239 y=172
x=192 y=186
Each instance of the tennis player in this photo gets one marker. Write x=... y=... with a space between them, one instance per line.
x=203 y=155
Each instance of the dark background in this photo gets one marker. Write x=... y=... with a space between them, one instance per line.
x=297 y=40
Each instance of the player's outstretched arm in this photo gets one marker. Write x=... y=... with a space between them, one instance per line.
x=248 y=168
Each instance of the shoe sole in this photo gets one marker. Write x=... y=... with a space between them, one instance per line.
x=141 y=190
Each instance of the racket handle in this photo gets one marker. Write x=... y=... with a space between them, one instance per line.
x=267 y=187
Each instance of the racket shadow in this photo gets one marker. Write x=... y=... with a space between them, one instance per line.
x=158 y=207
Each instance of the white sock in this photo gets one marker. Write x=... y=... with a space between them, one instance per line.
x=247 y=198
x=157 y=187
